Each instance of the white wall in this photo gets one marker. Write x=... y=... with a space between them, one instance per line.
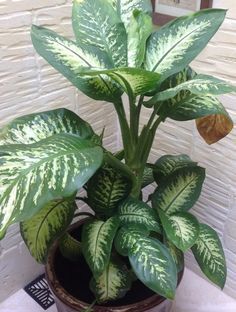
x=28 y=84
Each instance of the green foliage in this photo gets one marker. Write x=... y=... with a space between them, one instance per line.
x=47 y=157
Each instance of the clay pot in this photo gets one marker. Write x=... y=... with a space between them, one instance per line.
x=66 y=302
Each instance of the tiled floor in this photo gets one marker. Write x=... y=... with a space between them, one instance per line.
x=193 y=295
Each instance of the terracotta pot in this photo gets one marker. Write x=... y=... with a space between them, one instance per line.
x=65 y=302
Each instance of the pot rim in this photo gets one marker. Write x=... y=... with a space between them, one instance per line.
x=62 y=294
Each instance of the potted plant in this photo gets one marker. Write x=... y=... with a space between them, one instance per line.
x=47 y=157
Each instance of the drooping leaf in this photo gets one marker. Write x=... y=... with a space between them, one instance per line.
x=35 y=127
x=68 y=58
x=168 y=164
x=106 y=189
x=40 y=231
x=210 y=256
x=176 y=254
x=97 y=24
x=113 y=283
x=147 y=177
x=180 y=191
x=139 y=29
x=97 y=239
x=171 y=48
x=135 y=212
x=125 y=8
x=181 y=228
x=153 y=265
x=214 y=127
x=33 y=175
x=199 y=85
x=134 y=81
x=70 y=247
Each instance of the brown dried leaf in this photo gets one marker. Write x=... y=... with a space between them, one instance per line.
x=214 y=127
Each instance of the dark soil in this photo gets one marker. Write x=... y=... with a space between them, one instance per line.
x=75 y=277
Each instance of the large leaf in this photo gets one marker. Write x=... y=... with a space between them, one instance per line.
x=35 y=127
x=215 y=127
x=209 y=254
x=181 y=228
x=68 y=58
x=180 y=191
x=134 y=81
x=106 y=189
x=176 y=254
x=97 y=239
x=135 y=212
x=171 y=48
x=32 y=175
x=168 y=164
x=199 y=85
x=152 y=263
x=113 y=283
x=140 y=28
x=40 y=231
x=70 y=247
x=147 y=176
x=125 y=8
x=96 y=23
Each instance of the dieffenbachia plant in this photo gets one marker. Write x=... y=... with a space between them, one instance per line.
x=47 y=157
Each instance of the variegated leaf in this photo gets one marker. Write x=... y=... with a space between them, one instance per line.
x=125 y=8
x=32 y=175
x=126 y=237
x=135 y=212
x=147 y=177
x=180 y=190
x=199 y=85
x=41 y=230
x=35 y=127
x=97 y=239
x=70 y=247
x=113 y=283
x=68 y=58
x=97 y=24
x=139 y=29
x=171 y=48
x=210 y=256
x=176 y=254
x=154 y=266
x=106 y=189
x=133 y=80
x=215 y=127
x=182 y=229
x=168 y=164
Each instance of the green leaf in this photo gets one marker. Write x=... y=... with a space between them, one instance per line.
x=182 y=229
x=168 y=164
x=35 y=127
x=180 y=191
x=106 y=189
x=176 y=44
x=68 y=58
x=125 y=8
x=199 y=85
x=125 y=238
x=97 y=239
x=135 y=212
x=33 y=175
x=147 y=177
x=139 y=29
x=70 y=248
x=97 y=24
x=154 y=265
x=134 y=81
x=176 y=254
x=113 y=283
x=40 y=231
x=210 y=256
